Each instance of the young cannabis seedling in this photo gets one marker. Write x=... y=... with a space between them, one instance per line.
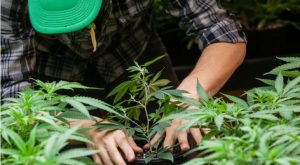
x=141 y=102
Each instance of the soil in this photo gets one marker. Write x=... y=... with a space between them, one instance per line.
x=177 y=154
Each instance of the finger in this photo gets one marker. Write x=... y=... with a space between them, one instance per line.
x=170 y=137
x=206 y=131
x=126 y=148
x=105 y=156
x=183 y=140
x=154 y=140
x=196 y=133
x=134 y=146
x=95 y=157
x=114 y=152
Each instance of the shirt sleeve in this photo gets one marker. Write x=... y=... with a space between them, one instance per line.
x=208 y=20
x=17 y=47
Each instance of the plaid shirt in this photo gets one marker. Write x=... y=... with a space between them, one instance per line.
x=122 y=32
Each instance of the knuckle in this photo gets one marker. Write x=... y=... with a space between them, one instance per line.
x=106 y=140
x=119 y=135
x=169 y=129
x=96 y=138
x=176 y=122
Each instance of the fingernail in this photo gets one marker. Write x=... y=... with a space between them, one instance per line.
x=146 y=146
x=185 y=148
x=131 y=158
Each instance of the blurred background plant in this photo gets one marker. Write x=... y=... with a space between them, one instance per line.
x=271 y=27
x=264 y=14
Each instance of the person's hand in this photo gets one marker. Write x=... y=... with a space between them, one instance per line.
x=173 y=134
x=108 y=142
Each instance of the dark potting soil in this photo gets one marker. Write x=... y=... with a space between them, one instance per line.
x=178 y=156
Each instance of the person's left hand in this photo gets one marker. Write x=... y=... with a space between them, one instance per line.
x=173 y=134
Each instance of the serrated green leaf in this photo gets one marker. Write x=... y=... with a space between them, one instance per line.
x=289 y=59
x=130 y=132
x=72 y=162
x=285 y=67
x=139 y=130
x=264 y=116
x=174 y=92
x=72 y=85
x=153 y=61
x=81 y=139
x=77 y=105
x=294 y=73
x=201 y=92
x=120 y=90
x=32 y=137
x=156 y=76
x=110 y=126
x=267 y=81
x=196 y=161
x=97 y=103
x=166 y=156
x=160 y=83
x=8 y=151
x=290 y=85
x=148 y=159
x=73 y=115
x=47 y=120
x=61 y=140
x=219 y=121
x=17 y=139
x=279 y=83
x=237 y=100
x=87 y=161
x=119 y=87
x=288 y=115
x=50 y=149
x=159 y=95
x=188 y=101
x=4 y=135
x=75 y=153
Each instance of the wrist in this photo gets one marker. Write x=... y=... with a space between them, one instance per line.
x=189 y=85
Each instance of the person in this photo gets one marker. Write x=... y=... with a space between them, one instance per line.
x=94 y=41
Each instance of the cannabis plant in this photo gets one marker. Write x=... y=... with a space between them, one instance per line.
x=35 y=127
x=290 y=69
x=262 y=129
x=139 y=104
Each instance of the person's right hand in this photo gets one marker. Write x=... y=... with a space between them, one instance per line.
x=108 y=143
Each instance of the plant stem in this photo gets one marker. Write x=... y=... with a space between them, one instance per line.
x=146 y=132
x=146 y=90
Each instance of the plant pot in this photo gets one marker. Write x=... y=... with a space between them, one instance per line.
x=178 y=156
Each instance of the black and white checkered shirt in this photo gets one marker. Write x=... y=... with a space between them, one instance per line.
x=122 y=33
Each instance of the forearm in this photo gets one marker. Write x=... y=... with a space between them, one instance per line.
x=215 y=66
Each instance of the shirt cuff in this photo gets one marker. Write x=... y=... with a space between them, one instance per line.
x=226 y=30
